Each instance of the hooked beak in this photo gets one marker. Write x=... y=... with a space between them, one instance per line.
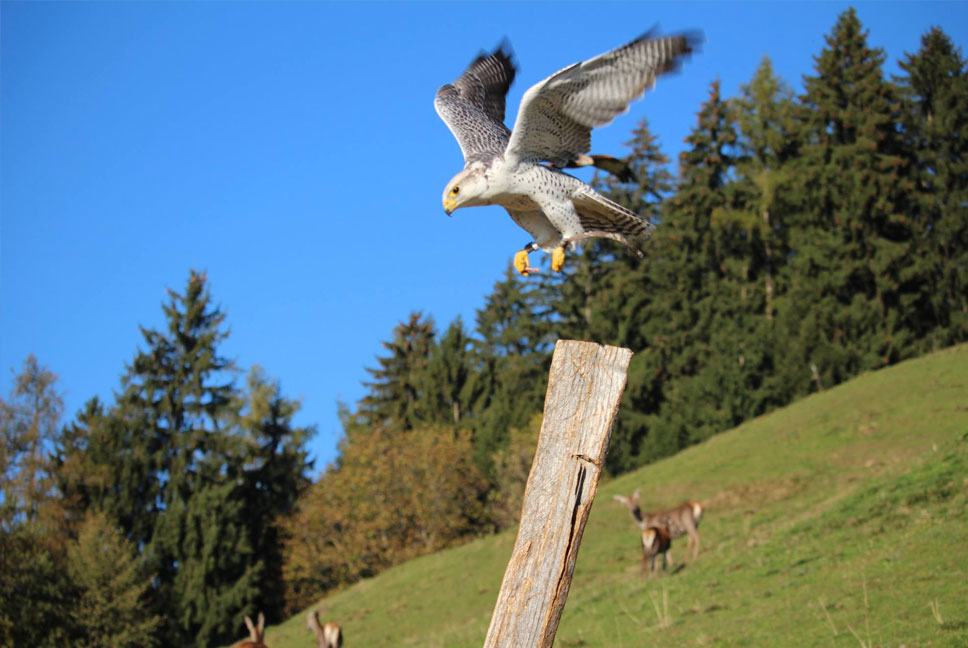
x=449 y=206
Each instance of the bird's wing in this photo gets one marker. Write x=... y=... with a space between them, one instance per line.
x=473 y=105
x=557 y=115
x=602 y=218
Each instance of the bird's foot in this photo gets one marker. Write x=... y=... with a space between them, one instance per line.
x=558 y=258
x=521 y=260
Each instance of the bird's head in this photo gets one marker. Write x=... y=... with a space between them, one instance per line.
x=465 y=190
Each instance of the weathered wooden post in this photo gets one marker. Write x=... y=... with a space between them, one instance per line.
x=585 y=387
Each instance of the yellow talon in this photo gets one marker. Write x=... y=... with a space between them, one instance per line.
x=558 y=259
x=521 y=263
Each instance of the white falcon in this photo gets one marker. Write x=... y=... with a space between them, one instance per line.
x=520 y=169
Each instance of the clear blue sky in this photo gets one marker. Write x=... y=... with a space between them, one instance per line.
x=292 y=151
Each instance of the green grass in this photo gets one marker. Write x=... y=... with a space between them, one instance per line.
x=841 y=520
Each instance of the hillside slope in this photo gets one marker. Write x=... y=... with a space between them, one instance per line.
x=838 y=520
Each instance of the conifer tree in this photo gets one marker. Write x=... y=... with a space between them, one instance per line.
x=395 y=393
x=935 y=123
x=274 y=466
x=851 y=237
x=689 y=266
x=29 y=422
x=193 y=472
x=766 y=113
x=178 y=394
x=513 y=340
x=34 y=588
x=110 y=610
x=104 y=465
x=449 y=387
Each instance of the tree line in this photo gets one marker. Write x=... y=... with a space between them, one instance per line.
x=806 y=239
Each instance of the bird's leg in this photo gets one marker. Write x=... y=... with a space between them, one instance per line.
x=521 y=259
x=558 y=258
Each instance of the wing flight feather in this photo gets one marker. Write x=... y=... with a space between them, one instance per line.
x=557 y=115
x=473 y=105
x=598 y=213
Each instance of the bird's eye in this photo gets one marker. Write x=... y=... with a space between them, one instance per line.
x=455 y=190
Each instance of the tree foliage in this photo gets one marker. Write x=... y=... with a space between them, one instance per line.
x=391 y=498
x=194 y=472
x=34 y=590
x=112 y=584
x=29 y=422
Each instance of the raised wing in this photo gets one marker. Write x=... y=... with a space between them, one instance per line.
x=557 y=115
x=473 y=105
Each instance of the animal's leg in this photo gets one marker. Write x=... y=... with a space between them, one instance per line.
x=694 y=541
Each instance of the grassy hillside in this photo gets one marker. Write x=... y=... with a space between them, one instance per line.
x=840 y=520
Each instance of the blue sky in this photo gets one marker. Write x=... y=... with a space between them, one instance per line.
x=291 y=151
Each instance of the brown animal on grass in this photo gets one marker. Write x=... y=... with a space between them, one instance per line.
x=655 y=541
x=328 y=635
x=255 y=633
x=682 y=520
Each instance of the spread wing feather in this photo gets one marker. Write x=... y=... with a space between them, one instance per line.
x=599 y=214
x=473 y=105
x=557 y=115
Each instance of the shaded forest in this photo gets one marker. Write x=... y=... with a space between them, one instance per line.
x=805 y=239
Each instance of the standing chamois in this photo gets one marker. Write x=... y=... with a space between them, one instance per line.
x=328 y=635
x=676 y=522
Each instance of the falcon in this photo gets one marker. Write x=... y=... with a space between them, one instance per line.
x=521 y=169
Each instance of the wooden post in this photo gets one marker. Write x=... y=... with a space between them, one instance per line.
x=584 y=390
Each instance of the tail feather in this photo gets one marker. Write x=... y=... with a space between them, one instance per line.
x=613 y=165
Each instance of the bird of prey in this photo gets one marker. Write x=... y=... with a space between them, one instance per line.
x=520 y=169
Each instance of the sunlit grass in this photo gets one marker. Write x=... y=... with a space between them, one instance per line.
x=840 y=520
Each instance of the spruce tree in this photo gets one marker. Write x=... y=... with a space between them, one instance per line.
x=688 y=265
x=935 y=123
x=274 y=467
x=194 y=472
x=178 y=394
x=396 y=390
x=34 y=588
x=104 y=465
x=449 y=387
x=766 y=113
x=851 y=239
x=513 y=346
